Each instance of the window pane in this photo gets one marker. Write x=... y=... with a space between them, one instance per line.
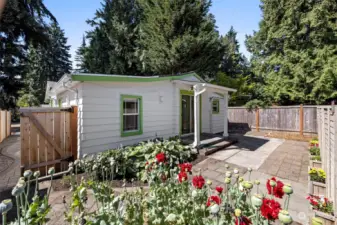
x=130 y=123
x=130 y=106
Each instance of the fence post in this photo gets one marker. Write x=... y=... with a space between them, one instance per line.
x=257 y=119
x=301 y=119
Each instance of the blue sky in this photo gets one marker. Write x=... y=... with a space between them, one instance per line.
x=243 y=15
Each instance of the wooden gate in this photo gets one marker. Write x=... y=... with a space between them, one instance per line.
x=48 y=138
x=5 y=124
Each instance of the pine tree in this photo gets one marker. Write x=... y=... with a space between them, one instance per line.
x=79 y=57
x=21 y=23
x=113 y=42
x=179 y=36
x=45 y=63
x=295 y=51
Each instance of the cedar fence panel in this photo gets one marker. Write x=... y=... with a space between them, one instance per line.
x=327 y=131
x=47 y=138
x=5 y=124
x=302 y=119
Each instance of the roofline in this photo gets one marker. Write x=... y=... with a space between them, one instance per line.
x=217 y=87
x=124 y=78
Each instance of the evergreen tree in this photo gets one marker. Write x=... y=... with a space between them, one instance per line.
x=79 y=57
x=45 y=63
x=233 y=62
x=179 y=36
x=113 y=42
x=295 y=51
x=22 y=22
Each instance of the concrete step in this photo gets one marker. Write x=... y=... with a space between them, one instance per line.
x=210 y=149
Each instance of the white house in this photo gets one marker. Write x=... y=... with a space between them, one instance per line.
x=115 y=110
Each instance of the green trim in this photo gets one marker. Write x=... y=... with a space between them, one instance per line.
x=190 y=93
x=121 y=78
x=131 y=133
x=218 y=104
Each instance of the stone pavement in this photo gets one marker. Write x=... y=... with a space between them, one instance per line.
x=268 y=157
x=288 y=161
x=9 y=162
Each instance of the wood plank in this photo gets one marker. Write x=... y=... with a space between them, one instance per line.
x=41 y=117
x=9 y=119
x=44 y=164
x=33 y=133
x=24 y=133
x=73 y=129
x=67 y=134
x=50 y=151
x=57 y=135
x=41 y=129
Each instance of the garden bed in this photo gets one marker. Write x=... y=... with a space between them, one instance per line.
x=316 y=188
x=315 y=163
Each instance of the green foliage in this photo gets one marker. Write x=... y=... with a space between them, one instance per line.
x=255 y=104
x=314 y=151
x=317 y=174
x=316 y=158
x=168 y=201
x=179 y=36
x=129 y=162
x=294 y=51
x=46 y=63
x=28 y=100
x=22 y=22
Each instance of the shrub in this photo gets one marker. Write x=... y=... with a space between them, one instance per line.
x=314 y=151
x=317 y=174
x=130 y=162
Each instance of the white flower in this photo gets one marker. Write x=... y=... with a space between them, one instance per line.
x=236 y=171
x=171 y=218
x=194 y=193
x=214 y=209
x=28 y=173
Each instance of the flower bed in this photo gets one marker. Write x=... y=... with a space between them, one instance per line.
x=175 y=196
x=316 y=184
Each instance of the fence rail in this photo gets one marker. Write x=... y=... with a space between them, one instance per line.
x=48 y=138
x=327 y=131
x=302 y=119
x=5 y=124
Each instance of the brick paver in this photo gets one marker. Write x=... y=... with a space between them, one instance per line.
x=289 y=161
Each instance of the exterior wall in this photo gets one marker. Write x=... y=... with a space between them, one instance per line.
x=100 y=113
x=68 y=98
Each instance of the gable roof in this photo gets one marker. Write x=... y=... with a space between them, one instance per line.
x=126 y=78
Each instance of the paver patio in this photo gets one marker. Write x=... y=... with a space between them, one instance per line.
x=268 y=157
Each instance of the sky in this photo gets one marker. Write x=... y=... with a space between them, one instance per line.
x=243 y=15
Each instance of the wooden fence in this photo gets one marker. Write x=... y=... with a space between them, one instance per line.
x=327 y=131
x=5 y=124
x=48 y=138
x=302 y=119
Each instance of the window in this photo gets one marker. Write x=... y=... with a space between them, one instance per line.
x=131 y=115
x=215 y=106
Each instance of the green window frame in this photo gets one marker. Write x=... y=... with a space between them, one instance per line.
x=139 y=99
x=215 y=106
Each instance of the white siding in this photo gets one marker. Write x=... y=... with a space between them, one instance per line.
x=100 y=114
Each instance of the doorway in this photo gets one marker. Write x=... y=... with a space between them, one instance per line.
x=187 y=114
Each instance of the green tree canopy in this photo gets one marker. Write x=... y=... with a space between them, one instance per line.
x=295 y=51
x=179 y=36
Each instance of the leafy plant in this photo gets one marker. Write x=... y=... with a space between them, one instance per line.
x=317 y=174
x=314 y=151
x=316 y=157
